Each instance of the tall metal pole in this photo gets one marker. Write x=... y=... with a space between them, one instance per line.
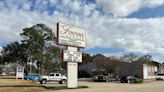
x=30 y=67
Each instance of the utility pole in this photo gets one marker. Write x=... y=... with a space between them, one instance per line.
x=30 y=68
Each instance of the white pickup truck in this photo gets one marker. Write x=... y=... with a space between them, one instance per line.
x=53 y=77
x=160 y=76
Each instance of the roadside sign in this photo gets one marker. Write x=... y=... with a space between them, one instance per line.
x=20 y=72
x=73 y=37
x=69 y=35
x=72 y=56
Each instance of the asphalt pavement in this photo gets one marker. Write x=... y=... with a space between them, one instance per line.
x=152 y=86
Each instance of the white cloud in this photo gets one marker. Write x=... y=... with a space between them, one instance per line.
x=126 y=7
x=131 y=34
x=120 y=54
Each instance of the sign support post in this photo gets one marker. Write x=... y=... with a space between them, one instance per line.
x=72 y=71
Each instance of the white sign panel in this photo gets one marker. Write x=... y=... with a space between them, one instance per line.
x=70 y=35
x=20 y=72
x=72 y=74
x=72 y=56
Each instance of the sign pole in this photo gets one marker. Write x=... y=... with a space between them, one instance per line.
x=72 y=71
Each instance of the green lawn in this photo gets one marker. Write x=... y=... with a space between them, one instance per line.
x=19 y=85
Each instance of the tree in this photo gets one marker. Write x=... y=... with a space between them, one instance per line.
x=34 y=40
x=110 y=65
x=33 y=48
x=113 y=65
x=86 y=58
x=1 y=64
x=145 y=59
x=1 y=60
x=12 y=52
x=99 y=59
x=130 y=59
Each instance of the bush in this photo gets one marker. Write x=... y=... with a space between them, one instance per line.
x=139 y=81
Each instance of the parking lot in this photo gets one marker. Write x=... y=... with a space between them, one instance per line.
x=151 y=86
x=13 y=85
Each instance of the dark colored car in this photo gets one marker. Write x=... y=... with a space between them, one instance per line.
x=129 y=79
x=104 y=78
x=32 y=77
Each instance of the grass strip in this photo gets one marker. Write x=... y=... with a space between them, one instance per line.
x=62 y=87
x=7 y=77
x=46 y=87
x=21 y=85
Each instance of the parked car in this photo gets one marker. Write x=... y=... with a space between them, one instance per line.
x=32 y=77
x=104 y=78
x=160 y=76
x=53 y=77
x=130 y=79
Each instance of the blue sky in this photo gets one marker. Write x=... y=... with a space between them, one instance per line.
x=114 y=27
x=148 y=12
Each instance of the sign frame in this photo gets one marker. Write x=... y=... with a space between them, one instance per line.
x=58 y=35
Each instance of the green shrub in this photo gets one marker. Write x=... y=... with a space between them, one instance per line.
x=139 y=81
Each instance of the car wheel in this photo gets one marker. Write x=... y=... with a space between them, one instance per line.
x=35 y=80
x=43 y=81
x=107 y=80
x=62 y=82
x=129 y=81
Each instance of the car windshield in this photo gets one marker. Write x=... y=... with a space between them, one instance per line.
x=34 y=75
x=131 y=77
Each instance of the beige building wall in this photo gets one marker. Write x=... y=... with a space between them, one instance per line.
x=149 y=71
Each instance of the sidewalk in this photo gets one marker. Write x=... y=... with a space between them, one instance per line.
x=149 y=80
